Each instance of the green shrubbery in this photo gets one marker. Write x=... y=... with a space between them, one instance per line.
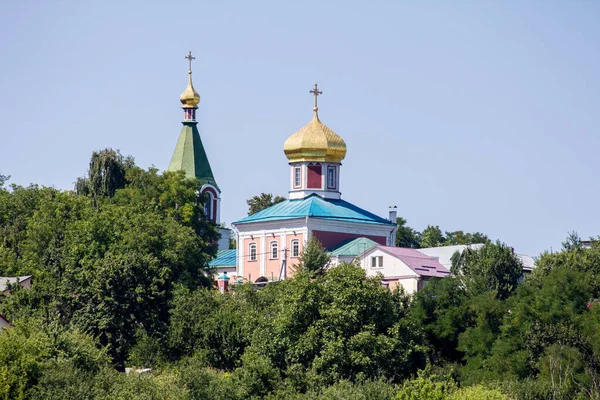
x=119 y=281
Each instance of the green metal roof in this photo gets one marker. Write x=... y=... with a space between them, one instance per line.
x=314 y=206
x=224 y=258
x=352 y=247
x=189 y=155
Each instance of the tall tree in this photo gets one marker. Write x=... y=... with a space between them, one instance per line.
x=3 y=179
x=105 y=175
x=406 y=236
x=492 y=267
x=262 y=202
x=432 y=237
x=314 y=260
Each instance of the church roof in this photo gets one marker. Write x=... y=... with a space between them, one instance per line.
x=224 y=258
x=314 y=206
x=351 y=247
x=190 y=156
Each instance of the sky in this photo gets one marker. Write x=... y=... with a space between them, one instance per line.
x=471 y=115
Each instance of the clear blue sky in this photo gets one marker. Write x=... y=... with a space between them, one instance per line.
x=473 y=115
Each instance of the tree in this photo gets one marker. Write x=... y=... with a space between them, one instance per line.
x=105 y=175
x=493 y=266
x=432 y=237
x=262 y=202
x=406 y=236
x=314 y=260
x=3 y=179
x=459 y=237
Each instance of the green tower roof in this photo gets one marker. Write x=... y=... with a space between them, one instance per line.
x=189 y=155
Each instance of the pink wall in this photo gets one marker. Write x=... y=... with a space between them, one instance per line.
x=330 y=239
x=251 y=268
x=293 y=260
x=273 y=265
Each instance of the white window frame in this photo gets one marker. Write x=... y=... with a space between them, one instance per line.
x=297 y=177
x=331 y=174
x=252 y=252
x=376 y=262
x=295 y=245
x=274 y=250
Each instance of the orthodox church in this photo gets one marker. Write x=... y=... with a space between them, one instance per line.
x=271 y=241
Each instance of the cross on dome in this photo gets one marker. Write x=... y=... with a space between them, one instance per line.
x=190 y=58
x=316 y=92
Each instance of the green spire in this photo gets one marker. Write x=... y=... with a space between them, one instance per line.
x=189 y=155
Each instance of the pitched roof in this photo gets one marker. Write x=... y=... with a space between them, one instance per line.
x=189 y=156
x=351 y=247
x=421 y=264
x=444 y=253
x=314 y=206
x=5 y=280
x=224 y=258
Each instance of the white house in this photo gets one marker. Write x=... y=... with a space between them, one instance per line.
x=24 y=281
x=401 y=266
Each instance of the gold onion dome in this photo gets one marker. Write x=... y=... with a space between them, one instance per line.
x=190 y=98
x=315 y=141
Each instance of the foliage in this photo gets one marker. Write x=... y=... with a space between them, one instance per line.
x=262 y=202
x=106 y=266
x=432 y=237
x=491 y=267
x=121 y=277
x=106 y=174
x=406 y=236
x=314 y=259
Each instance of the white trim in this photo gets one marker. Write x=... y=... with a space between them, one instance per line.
x=250 y=245
x=276 y=243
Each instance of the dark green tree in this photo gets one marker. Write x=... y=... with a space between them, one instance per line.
x=406 y=236
x=459 y=237
x=314 y=259
x=492 y=267
x=262 y=202
x=105 y=175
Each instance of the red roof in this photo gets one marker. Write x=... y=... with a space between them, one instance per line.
x=421 y=264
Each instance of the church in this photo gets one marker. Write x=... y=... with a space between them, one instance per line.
x=271 y=241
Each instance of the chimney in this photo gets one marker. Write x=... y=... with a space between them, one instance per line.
x=393 y=214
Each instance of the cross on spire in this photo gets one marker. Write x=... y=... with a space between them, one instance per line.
x=190 y=58
x=316 y=92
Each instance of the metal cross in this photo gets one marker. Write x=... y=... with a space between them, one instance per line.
x=316 y=92
x=190 y=58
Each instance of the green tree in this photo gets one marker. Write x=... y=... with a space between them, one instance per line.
x=406 y=236
x=262 y=202
x=314 y=259
x=432 y=237
x=459 y=237
x=3 y=179
x=105 y=175
x=493 y=266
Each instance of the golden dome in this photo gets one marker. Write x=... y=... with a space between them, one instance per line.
x=190 y=98
x=315 y=142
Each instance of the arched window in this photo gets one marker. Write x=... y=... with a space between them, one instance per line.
x=208 y=207
x=274 y=250
x=252 y=252
x=295 y=248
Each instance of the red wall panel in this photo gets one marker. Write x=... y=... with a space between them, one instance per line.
x=314 y=177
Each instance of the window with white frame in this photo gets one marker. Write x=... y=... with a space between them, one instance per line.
x=252 y=252
x=274 y=250
x=297 y=177
x=331 y=177
x=295 y=248
x=377 y=262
